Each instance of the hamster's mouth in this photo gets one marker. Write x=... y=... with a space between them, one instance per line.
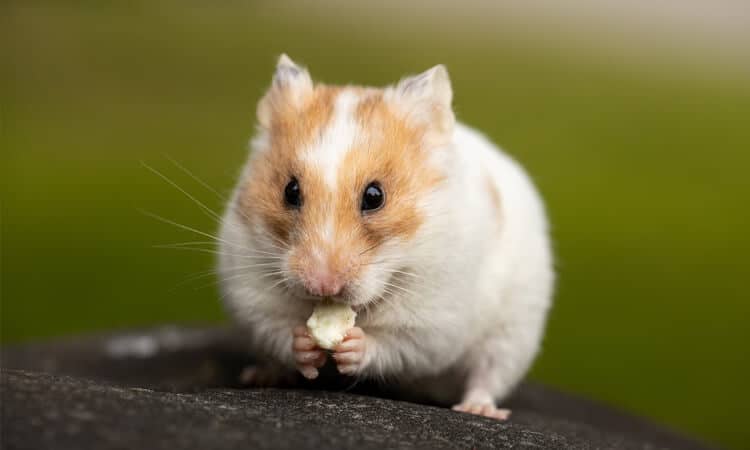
x=349 y=295
x=344 y=299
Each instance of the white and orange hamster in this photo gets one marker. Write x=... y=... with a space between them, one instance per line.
x=380 y=200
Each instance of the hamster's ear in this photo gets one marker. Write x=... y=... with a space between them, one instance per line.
x=290 y=87
x=427 y=98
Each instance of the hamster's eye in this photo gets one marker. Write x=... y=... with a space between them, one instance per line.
x=373 y=197
x=293 y=194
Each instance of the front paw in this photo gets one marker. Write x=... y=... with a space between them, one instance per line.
x=307 y=355
x=350 y=353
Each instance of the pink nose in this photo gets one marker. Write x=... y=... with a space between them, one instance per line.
x=324 y=283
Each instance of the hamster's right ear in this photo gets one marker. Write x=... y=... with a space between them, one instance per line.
x=427 y=98
x=291 y=85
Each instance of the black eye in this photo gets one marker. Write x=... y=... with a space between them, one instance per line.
x=373 y=197
x=292 y=194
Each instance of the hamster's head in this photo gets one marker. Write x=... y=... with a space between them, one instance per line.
x=340 y=181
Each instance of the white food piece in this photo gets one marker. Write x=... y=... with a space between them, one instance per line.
x=329 y=322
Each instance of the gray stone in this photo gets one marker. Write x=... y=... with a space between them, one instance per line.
x=174 y=387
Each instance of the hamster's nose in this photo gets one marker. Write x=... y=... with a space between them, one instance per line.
x=324 y=283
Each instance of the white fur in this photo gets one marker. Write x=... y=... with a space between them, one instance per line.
x=468 y=324
x=327 y=153
x=328 y=231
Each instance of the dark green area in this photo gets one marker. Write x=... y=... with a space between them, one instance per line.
x=645 y=176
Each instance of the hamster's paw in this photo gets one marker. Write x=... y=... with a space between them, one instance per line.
x=483 y=409
x=307 y=355
x=266 y=376
x=350 y=353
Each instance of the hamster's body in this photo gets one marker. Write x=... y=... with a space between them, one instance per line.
x=451 y=275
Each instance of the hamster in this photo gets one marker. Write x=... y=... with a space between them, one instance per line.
x=379 y=199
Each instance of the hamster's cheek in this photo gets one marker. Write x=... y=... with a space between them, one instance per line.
x=366 y=288
x=372 y=281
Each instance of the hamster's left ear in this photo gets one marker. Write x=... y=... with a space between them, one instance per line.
x=427 y=98
x=290 y=87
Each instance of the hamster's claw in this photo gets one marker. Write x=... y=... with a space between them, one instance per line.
x=483 y=409
x=350 y=353
x=307 y=355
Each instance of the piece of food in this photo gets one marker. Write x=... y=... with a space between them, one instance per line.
x=329 y=322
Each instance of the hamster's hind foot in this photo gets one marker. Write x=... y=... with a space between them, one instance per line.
x=480 y=402
x=483 y=409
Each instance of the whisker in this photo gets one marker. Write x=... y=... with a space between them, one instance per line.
x=212 y=272
x=194 y=277
x=203 y=183
x=271 y=274
x=220 y=280
x=411 y=274
x=276 y=255
x=273 y=286
x=184 y=227
x=195 y=178
x=243 y=274
x=369 y=249
x=205 y=208
x=401 y=288
x=237 y=209
x=183 y=244
x=216 y=252
x=373 y=263
x=283 y=245
x=274 y=246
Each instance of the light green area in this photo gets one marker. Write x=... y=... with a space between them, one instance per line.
x=645 y=176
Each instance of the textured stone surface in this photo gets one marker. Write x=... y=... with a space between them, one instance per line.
x=176 y=388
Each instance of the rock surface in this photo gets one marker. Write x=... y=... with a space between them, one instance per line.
x=176 y=387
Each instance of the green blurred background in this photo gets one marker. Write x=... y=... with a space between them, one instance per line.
x=639 y=146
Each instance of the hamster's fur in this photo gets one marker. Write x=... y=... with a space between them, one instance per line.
x=451 y=277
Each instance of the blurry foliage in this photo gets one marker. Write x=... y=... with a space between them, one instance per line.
x=645 y=178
